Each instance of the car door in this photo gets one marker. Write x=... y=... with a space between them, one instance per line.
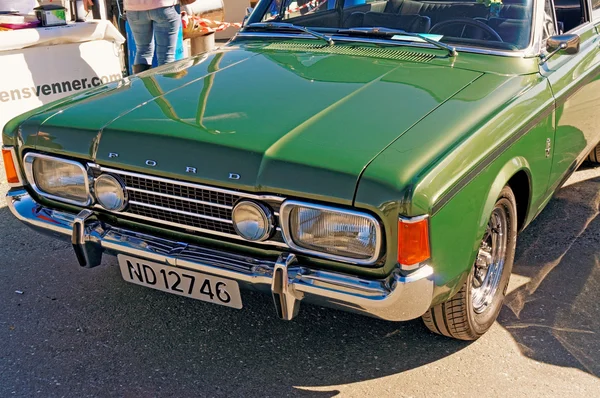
x=575 y=82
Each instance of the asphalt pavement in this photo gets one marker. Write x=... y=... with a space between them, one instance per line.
x=72 y=332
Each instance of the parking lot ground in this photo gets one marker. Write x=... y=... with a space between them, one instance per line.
x=72 y=332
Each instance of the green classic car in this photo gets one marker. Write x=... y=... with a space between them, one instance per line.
x=374 y=156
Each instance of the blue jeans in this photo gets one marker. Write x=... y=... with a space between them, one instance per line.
x=161 y=24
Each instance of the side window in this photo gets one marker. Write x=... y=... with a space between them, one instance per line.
x=373 y=5
x=550 y=27
x=569 y=14
x=296 y=8
x=596 y=9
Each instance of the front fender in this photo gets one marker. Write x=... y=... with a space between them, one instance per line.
x=454 y=238
x=510 y=169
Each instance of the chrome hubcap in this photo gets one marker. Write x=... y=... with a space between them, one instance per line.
x=490 y=261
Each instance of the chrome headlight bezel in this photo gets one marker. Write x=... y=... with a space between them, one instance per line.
x=284 y=215
x=265 y=213
x=28 y=161
x=120 y=188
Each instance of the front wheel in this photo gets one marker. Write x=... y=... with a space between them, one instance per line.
x=473 y=310
x=594 y=156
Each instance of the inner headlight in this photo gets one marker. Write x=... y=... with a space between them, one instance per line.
x=332 y=233
x=57 y=178
x=252 y=221
x=110 y=192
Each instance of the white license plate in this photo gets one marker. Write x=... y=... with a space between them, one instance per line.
x=179 y=281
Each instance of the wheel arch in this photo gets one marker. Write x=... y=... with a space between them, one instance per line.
x=520 y=183
x=517 y=175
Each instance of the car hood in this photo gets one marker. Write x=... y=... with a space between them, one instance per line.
x=289 y=122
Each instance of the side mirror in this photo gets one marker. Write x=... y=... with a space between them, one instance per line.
x=567 y=44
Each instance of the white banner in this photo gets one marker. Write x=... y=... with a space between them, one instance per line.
x=71 y=33
x=34 y=76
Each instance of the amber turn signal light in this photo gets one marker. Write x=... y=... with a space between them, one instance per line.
x=10 y=167
x=413 y=241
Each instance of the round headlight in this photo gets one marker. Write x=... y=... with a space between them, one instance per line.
x=252 y=221
x=110 y=193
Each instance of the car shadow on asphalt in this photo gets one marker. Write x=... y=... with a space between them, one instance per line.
x=555 y=317
x=253 y=353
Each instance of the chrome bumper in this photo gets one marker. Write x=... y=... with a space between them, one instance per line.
x=395 y=298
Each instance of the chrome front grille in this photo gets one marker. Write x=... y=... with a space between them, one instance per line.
x=186 y=220
x=187 y=206
x=174 y=188
x=182 y=203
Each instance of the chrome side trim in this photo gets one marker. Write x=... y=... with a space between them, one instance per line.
x=187 y=213
x=13 y=155
x=535 y=35
x=192 y=185
x=395 y=297
x=284 y=222
x=28 y=160
x=412 y=220
x=166 y=195
x=578 y=30
x=190 y=228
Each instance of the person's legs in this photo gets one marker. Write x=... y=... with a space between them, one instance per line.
x=141 y=27
x=166 y=29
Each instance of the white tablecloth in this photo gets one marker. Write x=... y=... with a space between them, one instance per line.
x=52 y=35
x=40 y=65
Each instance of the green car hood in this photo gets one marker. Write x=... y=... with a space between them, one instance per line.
x=291 y=122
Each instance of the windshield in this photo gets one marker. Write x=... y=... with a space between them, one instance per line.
x=495 y=24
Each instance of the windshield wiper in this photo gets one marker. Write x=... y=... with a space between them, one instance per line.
x=387 y=32
x=283 y=25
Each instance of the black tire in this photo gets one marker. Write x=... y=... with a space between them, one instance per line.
x=594 y=156
x=457 y=317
